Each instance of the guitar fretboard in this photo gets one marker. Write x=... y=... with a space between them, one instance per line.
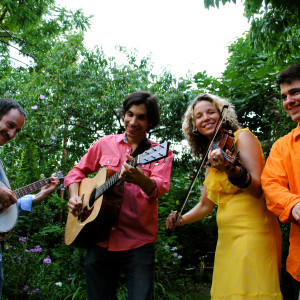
x=28 y=189
x=112 y=180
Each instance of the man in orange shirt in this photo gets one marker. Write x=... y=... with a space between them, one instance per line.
x=281 y=175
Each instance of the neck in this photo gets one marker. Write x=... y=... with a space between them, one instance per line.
x=134 y=142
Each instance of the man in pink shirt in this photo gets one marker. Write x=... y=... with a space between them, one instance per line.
x=130 y=246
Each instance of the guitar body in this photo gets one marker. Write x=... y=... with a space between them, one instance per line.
x=97 y=215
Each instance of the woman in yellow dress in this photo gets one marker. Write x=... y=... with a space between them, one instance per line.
x=248 y=253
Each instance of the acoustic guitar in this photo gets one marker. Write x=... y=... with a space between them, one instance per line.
x=9 y=216
x=101 y=198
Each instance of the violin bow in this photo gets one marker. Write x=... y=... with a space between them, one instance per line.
x=182 y=205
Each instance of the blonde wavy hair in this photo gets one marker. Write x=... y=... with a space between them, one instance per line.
x=197 y=141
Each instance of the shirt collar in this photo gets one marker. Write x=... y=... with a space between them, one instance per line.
x=122 y=138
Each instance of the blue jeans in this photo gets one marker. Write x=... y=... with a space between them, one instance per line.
x=103 y=267
x=1 y=273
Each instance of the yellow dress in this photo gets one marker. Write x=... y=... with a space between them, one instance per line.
x=248 y=253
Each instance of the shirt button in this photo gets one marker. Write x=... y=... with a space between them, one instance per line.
x=113 y=228
x=127 y=150
x=108 y=161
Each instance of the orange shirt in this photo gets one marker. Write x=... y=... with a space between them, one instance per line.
x=281 y=185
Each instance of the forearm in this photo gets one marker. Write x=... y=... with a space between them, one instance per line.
x=73 y=189
x=198 y=212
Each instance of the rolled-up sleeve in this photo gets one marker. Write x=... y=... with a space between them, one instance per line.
x=161 y=174
x=25 y=204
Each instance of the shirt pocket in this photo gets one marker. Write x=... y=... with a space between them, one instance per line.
x=110 y=162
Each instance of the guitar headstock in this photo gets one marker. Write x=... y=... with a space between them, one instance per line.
x=60 y=175
x=156 y=153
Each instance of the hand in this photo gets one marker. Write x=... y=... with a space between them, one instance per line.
x=74 y=205
x=7 y=197
x=173 y=220
x=50 y=187
x=137 y=176
x=131 y=174
x=296 y=212
x=46 y=190
x=216 y=159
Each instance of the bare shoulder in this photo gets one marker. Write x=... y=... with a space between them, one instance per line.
x=245 y=137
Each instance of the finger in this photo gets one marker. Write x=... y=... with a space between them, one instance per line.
x=130 y=158
x=12 y=199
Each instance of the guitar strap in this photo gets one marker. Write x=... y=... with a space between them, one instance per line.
x=144 y=145
x=3 y=176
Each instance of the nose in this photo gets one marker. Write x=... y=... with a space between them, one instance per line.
x=205 y=116
x=12 y=133
x=289 y=100
x=133 y=120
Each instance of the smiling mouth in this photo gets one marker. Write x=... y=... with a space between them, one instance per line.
x=4 y=136
x=208 y=125
x=294 y=108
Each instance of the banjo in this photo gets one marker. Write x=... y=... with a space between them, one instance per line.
x=9 y=215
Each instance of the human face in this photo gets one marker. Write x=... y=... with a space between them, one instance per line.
x=290 y=93
x=136 y=123
x=10 y=125
x=206 y=118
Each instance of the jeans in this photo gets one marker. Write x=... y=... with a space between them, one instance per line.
x=1 y=273
x=103 y=267
x=296 y=287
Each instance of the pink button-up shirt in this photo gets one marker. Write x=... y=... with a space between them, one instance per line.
x=138 y=218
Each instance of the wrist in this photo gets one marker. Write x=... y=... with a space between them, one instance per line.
x=240 y=178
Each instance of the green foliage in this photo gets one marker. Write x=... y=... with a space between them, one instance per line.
x=274 y=25
x=72 y=96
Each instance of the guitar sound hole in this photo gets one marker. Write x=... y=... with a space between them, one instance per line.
x=92 y=198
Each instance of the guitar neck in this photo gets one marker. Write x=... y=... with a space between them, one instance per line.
x=112 y=180
x=28 y=189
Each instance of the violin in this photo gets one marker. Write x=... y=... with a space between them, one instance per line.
x=225 y=141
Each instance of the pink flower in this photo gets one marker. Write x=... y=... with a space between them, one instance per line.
x=34 y=107
x=52 y=137
x=42 y=97
x=47 y=260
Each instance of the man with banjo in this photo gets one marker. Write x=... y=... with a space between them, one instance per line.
x=130 y=245
x=12 y=119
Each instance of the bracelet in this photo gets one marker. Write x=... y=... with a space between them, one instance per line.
x=241 y=181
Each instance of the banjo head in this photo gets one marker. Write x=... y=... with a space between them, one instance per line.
x=8 y=218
